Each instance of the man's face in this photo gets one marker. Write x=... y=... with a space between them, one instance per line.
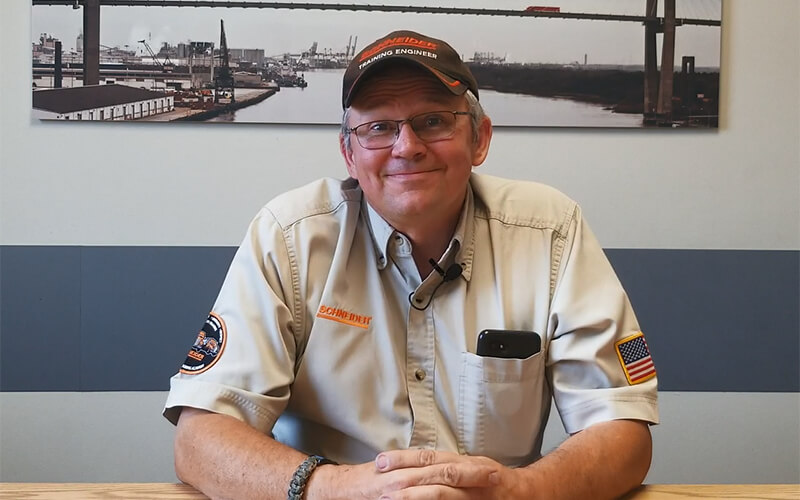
x=413 y=182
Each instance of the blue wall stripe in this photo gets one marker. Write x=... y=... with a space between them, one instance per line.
x=717 y=320
x=122 y=318
x=126 y=314
x=40 y=318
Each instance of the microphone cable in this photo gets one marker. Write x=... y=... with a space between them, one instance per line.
x=453 y=271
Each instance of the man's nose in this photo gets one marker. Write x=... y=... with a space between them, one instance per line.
x=408 y=142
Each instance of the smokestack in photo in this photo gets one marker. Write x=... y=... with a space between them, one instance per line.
x=57 y=76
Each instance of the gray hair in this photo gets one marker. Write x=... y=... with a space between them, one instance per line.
x=476 y=116
x=476 y=113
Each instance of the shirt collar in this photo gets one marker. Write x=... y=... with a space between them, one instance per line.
x=381 y=232
x=465 y=234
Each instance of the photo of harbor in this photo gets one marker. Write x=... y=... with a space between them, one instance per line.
x=576 y=63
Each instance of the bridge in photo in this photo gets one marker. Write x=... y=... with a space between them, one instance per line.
x=658 y=84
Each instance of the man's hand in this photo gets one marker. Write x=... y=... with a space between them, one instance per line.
x=445 y=475
x=420 y=474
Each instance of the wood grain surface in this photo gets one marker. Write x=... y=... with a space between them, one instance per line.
x=167 y=491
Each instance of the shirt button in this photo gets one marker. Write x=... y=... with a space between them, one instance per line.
x=420 y=374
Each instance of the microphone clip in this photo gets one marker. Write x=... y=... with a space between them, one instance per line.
x=453 y=271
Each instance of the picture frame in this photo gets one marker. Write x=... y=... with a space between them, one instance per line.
x=576 y=63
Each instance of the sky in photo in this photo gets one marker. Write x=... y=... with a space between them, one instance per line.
x=279 y=31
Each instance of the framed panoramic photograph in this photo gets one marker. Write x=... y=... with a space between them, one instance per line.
x=569 y=63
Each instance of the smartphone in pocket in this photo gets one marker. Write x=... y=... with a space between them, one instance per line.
x=518 y=344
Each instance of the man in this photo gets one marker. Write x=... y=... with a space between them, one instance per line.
x=348 y=323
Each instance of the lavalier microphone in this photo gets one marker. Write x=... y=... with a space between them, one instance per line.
x=453 y=270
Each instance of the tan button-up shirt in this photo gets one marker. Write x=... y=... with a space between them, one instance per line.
x=314 y=338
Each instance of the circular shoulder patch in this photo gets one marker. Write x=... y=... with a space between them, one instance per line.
x=208 y=347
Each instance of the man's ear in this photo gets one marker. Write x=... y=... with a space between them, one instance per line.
x=480 y=148
x=348 y=157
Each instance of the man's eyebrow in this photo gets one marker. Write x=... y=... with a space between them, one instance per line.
x=439 y=98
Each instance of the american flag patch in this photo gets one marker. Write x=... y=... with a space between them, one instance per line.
x=635 y=358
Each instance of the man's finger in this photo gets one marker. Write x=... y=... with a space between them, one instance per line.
x=402 y=459
x=426 y=493
x=453 y=475
x=460 y=475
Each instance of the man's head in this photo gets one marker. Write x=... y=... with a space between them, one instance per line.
x=412 y=128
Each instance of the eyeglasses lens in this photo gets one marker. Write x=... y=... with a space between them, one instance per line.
x=429 y=127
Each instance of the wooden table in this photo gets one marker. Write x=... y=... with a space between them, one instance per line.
x=165 y=491
x=727 y=491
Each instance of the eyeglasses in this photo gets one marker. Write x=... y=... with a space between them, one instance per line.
x=429 y=127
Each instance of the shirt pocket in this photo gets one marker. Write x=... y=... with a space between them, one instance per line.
x=500 y=406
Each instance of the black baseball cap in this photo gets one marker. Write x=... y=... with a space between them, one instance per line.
x=432 y=54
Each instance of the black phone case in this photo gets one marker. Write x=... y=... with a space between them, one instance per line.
x=518 y=344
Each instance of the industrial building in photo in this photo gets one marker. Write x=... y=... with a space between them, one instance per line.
x=100 y=103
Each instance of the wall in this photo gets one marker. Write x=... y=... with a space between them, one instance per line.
x=114 y=238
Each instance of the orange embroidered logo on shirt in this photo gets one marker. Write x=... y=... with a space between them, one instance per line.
x=342 y=316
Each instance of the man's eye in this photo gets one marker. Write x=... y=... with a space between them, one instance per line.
x=379 y=127
x=433 y=121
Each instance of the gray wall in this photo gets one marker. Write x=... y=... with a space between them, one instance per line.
x=109 y=231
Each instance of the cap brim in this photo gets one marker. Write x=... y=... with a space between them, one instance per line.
x=455 y=86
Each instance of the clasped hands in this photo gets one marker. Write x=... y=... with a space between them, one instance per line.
x=418 y=475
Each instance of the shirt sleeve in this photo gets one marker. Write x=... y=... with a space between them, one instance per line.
x=599 y=365
x=246 y=371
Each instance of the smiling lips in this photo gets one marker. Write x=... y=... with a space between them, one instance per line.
x=410 y=174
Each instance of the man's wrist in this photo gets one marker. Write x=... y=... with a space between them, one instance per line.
x=324 y=484
x=530 y=482
x=301 y=476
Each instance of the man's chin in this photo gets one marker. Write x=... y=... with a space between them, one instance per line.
x=404 y=207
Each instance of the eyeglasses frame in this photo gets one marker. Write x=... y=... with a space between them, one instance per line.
x=399 y=124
